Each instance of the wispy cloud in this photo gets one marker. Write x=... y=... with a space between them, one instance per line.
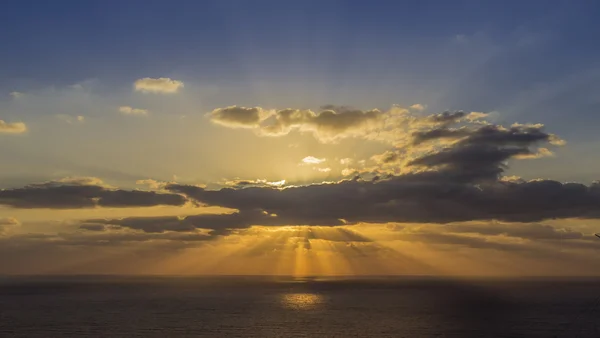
x=127 y=110
x=16 y=95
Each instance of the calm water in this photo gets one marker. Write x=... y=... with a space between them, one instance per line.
x=258 y=307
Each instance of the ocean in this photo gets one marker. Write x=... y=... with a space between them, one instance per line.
x=412 y=307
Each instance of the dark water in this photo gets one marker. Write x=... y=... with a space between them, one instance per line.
x=259 y=307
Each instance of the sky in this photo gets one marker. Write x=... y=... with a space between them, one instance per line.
x=299 y=138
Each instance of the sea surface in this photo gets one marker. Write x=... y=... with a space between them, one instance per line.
x=412 y=307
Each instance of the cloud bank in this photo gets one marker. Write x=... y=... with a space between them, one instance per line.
x=83 y=193
x=451 y=171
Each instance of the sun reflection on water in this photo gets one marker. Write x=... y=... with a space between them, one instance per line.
x=301 y=301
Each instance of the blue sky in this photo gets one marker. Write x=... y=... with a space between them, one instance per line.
x=65 y=42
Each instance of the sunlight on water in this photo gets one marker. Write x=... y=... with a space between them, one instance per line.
x=301 y=301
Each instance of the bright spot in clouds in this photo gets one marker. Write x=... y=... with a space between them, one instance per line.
x=277 y=183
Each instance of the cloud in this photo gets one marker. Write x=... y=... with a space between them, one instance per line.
x=531 y=231
x=8 y=224
x=127 y=110
x=152 y=184
x=421 y=198
x=220 y=224
x=75 y=193
x=532 y=239
x=541 y=152
x=333 y=123
x=240 y=183
x=459 y=181
x=163 y=85
x=348 y=171
x=327 y=125
x=70 y=119
x=15 y=95
x=479 y=151
x=12 y=128
x=238 y=117
x=312 y=160
x=452 y=172
x=216 y=224
x=418 y=107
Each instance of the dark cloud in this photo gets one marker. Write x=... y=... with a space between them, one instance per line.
x=222 y=225
x=447 y=117
x=328 y=124
x=425 y=197
x=219 y=224
x=480 y=152
x=439 y=133
x=83 y=193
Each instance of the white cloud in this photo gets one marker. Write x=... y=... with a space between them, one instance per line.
x=323 y=170
x=345 y=161
x=163 y=85
x=418 y=107
x=16 y=95
x=127 y=110
x=12 y=128
x=312 y=160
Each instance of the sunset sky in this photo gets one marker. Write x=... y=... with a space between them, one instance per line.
x=300 y=137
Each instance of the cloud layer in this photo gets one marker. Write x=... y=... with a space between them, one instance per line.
x=83 y=193
x=448 y=168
